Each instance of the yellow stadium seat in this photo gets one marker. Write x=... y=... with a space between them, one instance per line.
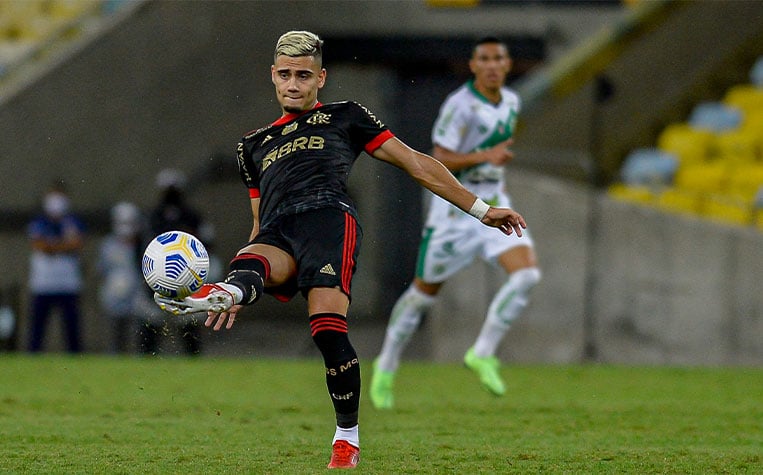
x=753 y=124
x=631 y=193
x=745 y=96
x=744 y=181
x=757 y=218
x=725 y=209
x=690 y=145
x=70 y=8
x=679 y=201
x=702 y=178
x=738 y=146
x=27 y=19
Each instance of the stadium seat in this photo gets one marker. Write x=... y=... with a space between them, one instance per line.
x=690 y=145
x=703 y=178
x=649 y=166
x=679 y=201
x=631 y=193
x=756 y=73
x=757 y=219
x=745 y=97
x=715 y=116
x=745 y=181
x=753 y=120
x=726 y=209
x=70 y=8
x=738 y=146
x=26 y=20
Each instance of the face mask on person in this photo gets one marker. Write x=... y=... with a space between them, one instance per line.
x=55 y=205
x=125 y=218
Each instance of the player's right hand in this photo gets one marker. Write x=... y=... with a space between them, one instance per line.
x=229 y=315
x=505 y=219
x=500 y=153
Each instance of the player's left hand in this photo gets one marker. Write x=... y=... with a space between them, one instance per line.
x=505 y=219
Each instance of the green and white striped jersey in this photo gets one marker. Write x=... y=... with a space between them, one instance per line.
x=468 y=122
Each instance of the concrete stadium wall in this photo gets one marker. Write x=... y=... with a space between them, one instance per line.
x=663 y=289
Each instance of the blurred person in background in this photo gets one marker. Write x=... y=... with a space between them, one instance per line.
x=123 y=296
x=57 y=237
x=172 y=213
x=305 y=235
x=471 y=136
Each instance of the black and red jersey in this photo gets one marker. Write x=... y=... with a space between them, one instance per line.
x=302 y=161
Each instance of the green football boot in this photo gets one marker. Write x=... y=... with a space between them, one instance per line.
x=487 y=370
x=381 y=388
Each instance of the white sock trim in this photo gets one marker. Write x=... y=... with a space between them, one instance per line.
x=350 y=434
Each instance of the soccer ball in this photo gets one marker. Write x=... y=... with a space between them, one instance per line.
x=175 y=264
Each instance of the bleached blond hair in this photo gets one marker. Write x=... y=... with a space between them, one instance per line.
x=299 y=43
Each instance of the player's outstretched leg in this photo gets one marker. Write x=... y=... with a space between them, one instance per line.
x=508 y=303
x=405 y=319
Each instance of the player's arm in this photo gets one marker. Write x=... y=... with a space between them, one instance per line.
x=70 y=243
x=498 y=154
x=433 y=175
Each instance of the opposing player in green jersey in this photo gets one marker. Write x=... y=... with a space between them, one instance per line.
x=471 y=136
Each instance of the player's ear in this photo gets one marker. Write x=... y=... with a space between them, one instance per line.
x=321 y=78
x=473 y=66
x=273 y=73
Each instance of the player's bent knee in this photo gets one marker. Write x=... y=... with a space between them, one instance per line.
x=526 y=278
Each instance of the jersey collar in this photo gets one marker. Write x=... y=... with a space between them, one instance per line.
x=480 y=96
x=289 y=117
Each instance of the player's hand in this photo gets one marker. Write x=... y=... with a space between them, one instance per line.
x=500 y=153
x=505 y=219
x=229 y=315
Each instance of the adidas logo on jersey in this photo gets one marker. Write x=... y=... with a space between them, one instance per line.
x=327 y=269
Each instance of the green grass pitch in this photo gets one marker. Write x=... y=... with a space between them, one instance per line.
x=100 y=414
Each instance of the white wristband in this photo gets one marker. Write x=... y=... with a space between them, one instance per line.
x=479 y=209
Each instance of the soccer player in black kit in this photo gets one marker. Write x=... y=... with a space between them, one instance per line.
x=305 y=235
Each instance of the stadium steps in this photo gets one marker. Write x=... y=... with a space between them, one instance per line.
x=35 y=34
x=719 y=151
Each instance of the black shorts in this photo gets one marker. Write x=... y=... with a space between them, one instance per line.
x=325 y=244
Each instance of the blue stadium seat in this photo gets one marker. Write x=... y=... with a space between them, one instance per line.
x=715 y=116
x=756 y=73
x=649 y=166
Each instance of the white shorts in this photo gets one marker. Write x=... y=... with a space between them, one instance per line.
x=450 y=244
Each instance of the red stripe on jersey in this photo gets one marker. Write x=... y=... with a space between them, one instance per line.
x=254 y=193
x=378 y=141
x=288 y=117
x=350 y=241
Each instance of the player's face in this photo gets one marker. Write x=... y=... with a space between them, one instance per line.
x=490 y=65
x=297 y=81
